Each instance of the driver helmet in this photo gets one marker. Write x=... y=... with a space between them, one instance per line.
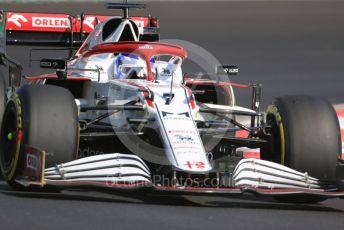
x=127 y=65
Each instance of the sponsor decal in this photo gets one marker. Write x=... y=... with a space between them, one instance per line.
x=17 y=19
x=146 y=47
x=50 y=22
x=139 y=23
x=184 y=138
x=187 y=148
x=34 y=164
x=182 y=132
x=175 y=116
x=53 y=63
x=194 y=164
x=227 y=69
x=166 y=71
x=186 y=144
x=90 y=21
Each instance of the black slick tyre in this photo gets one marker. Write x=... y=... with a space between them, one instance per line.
x=305 y=136
x=2 y=96
x=44 y=117
x=2 y=100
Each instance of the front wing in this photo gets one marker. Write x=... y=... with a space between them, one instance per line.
x=128 y=172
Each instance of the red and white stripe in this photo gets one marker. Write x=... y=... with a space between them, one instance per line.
x=340 y=113
x=247 y=153
x=255 y=153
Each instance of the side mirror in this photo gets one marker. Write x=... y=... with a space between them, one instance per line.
x=58 y=64
x=15 y=75
x=227 y=70
x=53 y=64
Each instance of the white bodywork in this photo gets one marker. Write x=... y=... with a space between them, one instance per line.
x=174 y=117
x=111 y=83
x=113 y=169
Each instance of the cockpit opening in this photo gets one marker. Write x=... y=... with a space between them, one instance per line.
x=110 y=26
x=131 y=66
x=127 y=34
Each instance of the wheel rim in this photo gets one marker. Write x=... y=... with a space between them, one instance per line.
x=275 y=140
x=9 y=138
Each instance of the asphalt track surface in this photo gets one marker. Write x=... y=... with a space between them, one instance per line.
x=289 y=47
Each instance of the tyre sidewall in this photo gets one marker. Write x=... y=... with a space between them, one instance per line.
x=9 y=172
x=310 y=134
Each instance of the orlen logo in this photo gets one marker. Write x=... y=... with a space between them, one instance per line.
x=17 y=19
x=90 y=21
x=50 y=22
x=32 y=162
x=139 y=23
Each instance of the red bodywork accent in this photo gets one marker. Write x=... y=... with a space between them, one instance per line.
x=242 y=133
x=251 y=155
x=197 y=164
x=54 y=76
x=191 y=98
x=143 y=49
x=146 y=92
x=154 y=22
x=204 y=190
x=124 y=185
x=210 y=82
x=42 y=22
x=34 y=164
x=224 y=85
x=148 y=98
x=19 y=135
x=340 y=112
x=247 y=153
x=249 y=189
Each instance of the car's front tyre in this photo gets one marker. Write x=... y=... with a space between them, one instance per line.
x=305 y=136
x=44 y=117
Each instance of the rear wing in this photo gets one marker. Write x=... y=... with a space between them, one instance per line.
x=2 y=33
x=9 y=67
x=66 y=30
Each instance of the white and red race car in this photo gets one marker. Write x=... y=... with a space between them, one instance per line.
x=121 y=114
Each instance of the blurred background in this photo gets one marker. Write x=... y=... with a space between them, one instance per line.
x=291 y=47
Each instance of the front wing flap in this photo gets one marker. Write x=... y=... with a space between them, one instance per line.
x=129 y=172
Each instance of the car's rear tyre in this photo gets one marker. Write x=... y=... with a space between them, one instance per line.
x=44 y=117
x=2 y=101
x=2 y=96
x=305 y=137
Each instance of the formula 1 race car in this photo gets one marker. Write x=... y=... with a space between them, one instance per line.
x=121 y=114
